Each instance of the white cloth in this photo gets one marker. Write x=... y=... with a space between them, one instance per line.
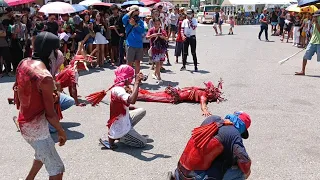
x=296 y=35
x=36 y=129
x=122 y=125
x=188 y=31
x=100 y=39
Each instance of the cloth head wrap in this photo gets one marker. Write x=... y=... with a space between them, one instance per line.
x=241 y=121
x=122 y=73
x=44 y=44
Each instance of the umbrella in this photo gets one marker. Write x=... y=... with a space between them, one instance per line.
x=165 y=5
x=309 y=9
x=130 y=3
x=103 y=4
x=89 y=2
x=149 y=2
x=78 y=7
x=144 y=11
x=302 y=3
x=57 y=8
x=17 y=2
x=3 y=3
x=294 y=8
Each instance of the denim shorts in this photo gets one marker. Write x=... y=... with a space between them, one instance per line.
x=311 y=49
x=46 y=152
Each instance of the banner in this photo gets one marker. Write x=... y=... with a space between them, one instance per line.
x=249 y=8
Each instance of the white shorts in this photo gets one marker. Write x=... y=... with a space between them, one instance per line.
x=46 y=152
x=215 y=24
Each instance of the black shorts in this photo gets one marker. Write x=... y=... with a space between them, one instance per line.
x=146 y=45
x=115 y=41
x=173 y=28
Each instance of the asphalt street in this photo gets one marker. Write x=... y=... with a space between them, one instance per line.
x=284 y=134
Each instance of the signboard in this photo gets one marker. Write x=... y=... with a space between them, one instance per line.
x=249 y=8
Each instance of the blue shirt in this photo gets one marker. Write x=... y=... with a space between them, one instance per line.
x=134 y=37
x=262 y=16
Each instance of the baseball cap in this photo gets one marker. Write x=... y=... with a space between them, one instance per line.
x=317 y=13
x=133 y=8
x=241 y=122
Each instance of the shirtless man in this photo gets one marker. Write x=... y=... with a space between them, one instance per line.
x=35 y=97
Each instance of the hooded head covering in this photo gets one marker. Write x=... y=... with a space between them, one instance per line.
x=45 y=44
x=241 y=121
x=122 y=73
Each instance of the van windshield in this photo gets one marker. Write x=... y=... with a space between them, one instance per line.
x=210 y=8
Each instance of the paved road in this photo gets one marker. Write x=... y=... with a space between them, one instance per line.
x=284 y=135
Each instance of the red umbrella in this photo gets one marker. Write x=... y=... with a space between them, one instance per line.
x=103 y=4
x=149 y=2
x=17 y=2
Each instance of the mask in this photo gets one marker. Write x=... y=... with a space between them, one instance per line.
x=56 y=59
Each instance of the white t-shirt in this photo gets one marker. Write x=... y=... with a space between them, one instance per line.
x=122 y=125
x=188 y=31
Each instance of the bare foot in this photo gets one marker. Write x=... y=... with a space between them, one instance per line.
x=300 y=73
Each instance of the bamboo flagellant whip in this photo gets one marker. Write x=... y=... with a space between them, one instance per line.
x=288 y=58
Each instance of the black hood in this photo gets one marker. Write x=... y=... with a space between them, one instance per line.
x=44 y=44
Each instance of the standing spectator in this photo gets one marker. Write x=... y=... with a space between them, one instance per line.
x=188 y=29
x=231 y=25
x=114 y=26
x=19 y=36
x=146 y=42
x=134 y=30
x=4 y=52
x=158 y=40
x=282 y=18
x=263 y=25
x=296 y=31
x=174 y=16
x=100 y=40
x=222 y=18
x=216 y=19
x=52 y=26
x=179 y=41
x=288 y=26
x=274 y=22
x=108 y=35
x=122 y=39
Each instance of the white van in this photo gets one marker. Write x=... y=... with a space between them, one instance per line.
x=206 y=13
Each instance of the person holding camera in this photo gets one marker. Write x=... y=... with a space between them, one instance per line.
x=134 y=27
x=19 y=35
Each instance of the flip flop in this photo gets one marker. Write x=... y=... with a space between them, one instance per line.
x=107 y=145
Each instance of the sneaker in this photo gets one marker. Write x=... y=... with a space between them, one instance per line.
x=183 y=68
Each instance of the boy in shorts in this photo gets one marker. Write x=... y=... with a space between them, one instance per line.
x=314 y=45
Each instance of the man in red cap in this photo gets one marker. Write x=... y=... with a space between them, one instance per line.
x=216 y=151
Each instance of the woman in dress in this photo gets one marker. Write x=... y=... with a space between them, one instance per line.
x=100 y=40
x=158 y=39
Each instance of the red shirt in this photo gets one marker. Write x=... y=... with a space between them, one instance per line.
x=29 y=78
x=179 y=37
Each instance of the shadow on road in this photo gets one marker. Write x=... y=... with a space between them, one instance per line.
x=71 y=135
x=7 y=79
x=140 y=153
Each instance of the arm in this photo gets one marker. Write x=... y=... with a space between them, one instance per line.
x=47 y=87
x=133 y=97
x=139 y=27
x=317 y=24
x=204 y=107
x=240 y=154
x=125 y=19
x=74 y=94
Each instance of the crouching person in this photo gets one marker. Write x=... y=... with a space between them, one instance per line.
x=123 y=117
x=215 y=150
